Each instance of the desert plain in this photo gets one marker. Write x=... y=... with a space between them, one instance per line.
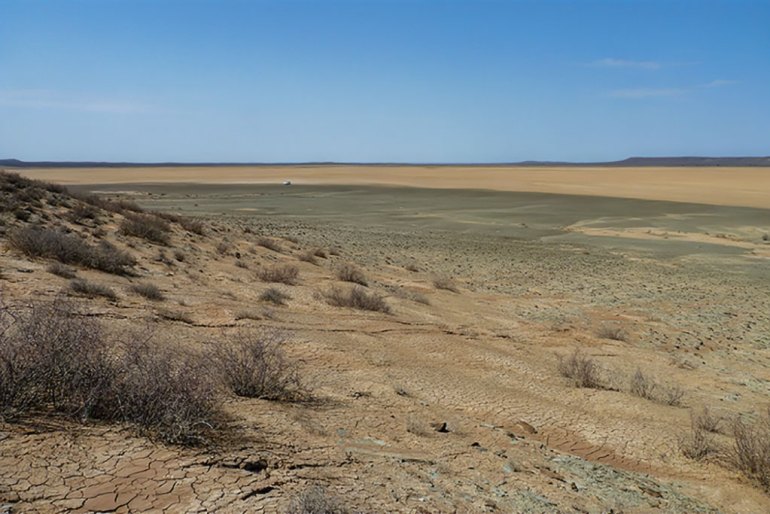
x=458 y=395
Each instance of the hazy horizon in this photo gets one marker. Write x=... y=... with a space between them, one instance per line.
x=382 y=81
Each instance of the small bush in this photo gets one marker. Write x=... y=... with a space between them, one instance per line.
x=170 y=315
x=751 y=449
x=707 y=421
x=241 y=264
x=193 y=225
x=445 y=283
x=350 y=273
x=320 y=252
x=146 y=226
x=92 y=289
x=149 y=291
x=59 y=269
x=407 y=294
x=179 y=255
x=698 y=444
x=583 y=370
x=254 y=365
x=357 y=298
x=275 y=296
x=308 y=256
x=648 y=388
x=268 y=243
x=315 y=500
x=83 y=211
x=283 y=273
x=412 y=267
x=70 y=249
x=223 y=247
x=612 y=332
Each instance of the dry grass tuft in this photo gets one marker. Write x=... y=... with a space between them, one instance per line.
x=350 y=273
x=356 y=298
x=612 y=332
x=149 y=291
x=316 y=500
x=274 y=295
x=59 y=269
x=698 y=444
x=646 y=387
x=445 y=283
x=268 y=243
x=281 y=273
x=584 y=371
x=308 y=256
x=91 y=289
x=192 y=225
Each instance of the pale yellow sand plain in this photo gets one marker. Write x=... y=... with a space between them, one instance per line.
x=747 y=187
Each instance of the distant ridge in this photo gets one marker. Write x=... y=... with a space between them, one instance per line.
x=630 y=162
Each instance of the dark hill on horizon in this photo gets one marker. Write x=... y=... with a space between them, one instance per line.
x=629 y=162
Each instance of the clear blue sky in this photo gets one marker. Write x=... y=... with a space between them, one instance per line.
x=382 y=80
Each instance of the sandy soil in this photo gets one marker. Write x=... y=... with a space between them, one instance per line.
x=537 y=276
x=748 y=187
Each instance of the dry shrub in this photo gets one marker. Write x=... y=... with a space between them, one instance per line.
x=170 y=315
x=445 y=283
x=612 y=332
x=350 y=273
x=750 y=452
x=70 y=249
x=646 y=387
x=584 y=371
x=149 y=291
x=119 y=206
x=268 y=243
x=166 y=393
x=263 y=313
x=408 y=294
x=254 y=365
x=707 y=421
x=283 y=273
x=274 y=295
x=50 y=356
x=316 y=500
x=241 y=264
x=412 y=267
x=223 y=247
x=357 y=298
x=698 y=444
x=53 y=359
x=91 y=289
x=146 y=226
x=59 y=269
x=308 y=256
x=83 y=211
x=320 y=252
x=192 y=225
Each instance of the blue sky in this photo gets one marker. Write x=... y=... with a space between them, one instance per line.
x=382 y=80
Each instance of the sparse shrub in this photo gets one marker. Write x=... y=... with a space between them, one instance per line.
x=320 y=252
x=146 y=226
x=412 y=267
x=170 y=315
x=92 y=289
x=407 y=294
x=179 y=255
x=59 y=269
x=308 y=256
x=765 y=237
x=254 y=365
x=193 y=225
x=350 y=273
x=698 y=444
x=334 y=251
x=263 y=313
x=445 y=283
x=292 y=239
x=283 y=273
x=612 y=332
x=223 y=247
x=149 y=291
x=241 y=264
x=648 y=388
x=83 y=211
x=583 y=370
x=642 y=386
x=357 y=298
x=275 y=296
x=706 y=420
x=268 y=243
x=750 y=452
x=315 y=500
